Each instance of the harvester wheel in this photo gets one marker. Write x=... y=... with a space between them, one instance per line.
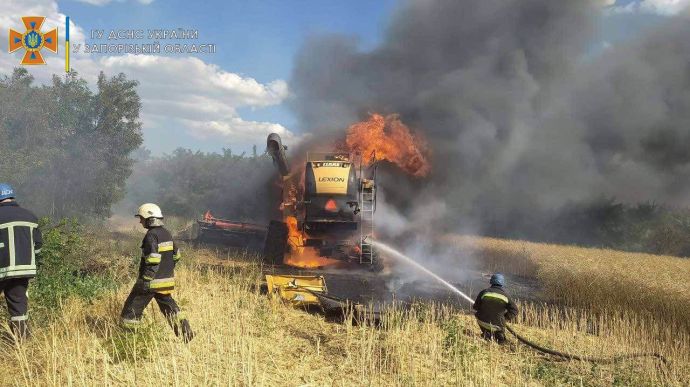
x=276 y=242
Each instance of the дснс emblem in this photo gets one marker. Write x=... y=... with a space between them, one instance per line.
x=33 y=40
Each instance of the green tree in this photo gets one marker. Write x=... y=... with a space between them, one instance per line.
x=66 y=148
x=187 y=183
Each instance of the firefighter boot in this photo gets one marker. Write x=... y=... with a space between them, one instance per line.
x=187 y=333
x=20 y=330
x=182 y=328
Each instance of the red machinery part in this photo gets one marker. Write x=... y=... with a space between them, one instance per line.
x=228 y=225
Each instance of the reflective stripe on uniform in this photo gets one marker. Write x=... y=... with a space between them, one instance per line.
x=162 y=283
x=489 y=326
x=129 y=323
x=165 y=246
x=2 y=245
x=19 y=318
x=18 y=224
x=177 y=255
x=14 y=270
x=497 y=296
x=153 y=259
x=18 y=271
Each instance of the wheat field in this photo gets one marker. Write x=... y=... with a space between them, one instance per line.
x=598 y=280
x=245 y=338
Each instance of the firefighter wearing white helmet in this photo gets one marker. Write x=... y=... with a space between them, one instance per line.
x=149 y=210
x=156 y=275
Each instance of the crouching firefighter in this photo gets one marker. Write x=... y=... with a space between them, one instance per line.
x=156 y=278
x=494 y=306
x=20 y=241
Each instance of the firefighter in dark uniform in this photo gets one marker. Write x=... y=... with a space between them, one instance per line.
x=494 y=306
x=156 y=278
x=20 y=241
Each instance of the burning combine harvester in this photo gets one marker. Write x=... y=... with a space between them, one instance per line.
x=327 y=207
x=327 y=210
x=329 y=201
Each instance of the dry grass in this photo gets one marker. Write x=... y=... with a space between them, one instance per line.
x=654 y=286
x=244 y=338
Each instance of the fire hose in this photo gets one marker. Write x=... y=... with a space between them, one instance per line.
x=538 y=347
x=569 y=356
x=530 y=344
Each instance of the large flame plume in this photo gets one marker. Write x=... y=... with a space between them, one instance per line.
x=387 y=138
x=301 y=255
x=376 y=139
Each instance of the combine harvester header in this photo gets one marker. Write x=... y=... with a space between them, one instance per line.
x=210 y=229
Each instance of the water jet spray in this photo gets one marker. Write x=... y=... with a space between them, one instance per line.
x=395 y=253
x=384 y=247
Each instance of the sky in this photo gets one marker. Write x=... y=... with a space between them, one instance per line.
x=234 y=97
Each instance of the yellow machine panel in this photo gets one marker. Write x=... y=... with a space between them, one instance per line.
x=298 y=290
x=331 y=176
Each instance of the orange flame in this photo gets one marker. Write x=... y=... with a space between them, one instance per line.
x=387 y=138
x=300 y=255
x=384 y=138
x=295 y=237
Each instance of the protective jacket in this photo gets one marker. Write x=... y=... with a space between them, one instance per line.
x=20 y=240
x=493 y=305
x=159 y=256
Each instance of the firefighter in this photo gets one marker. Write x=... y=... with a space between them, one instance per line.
x=20 y=241
x=156 y=278
x=494 y=306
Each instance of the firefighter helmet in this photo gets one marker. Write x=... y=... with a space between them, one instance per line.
x=149 y=210
x=6 y=191
x=497 y=280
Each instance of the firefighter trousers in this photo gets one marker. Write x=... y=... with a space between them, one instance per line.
x=138 y=300
x=498 y=336
x=17 y=298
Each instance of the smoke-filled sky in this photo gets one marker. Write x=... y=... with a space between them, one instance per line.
x=524 y=102
x=236 y=96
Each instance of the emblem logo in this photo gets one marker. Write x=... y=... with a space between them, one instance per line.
x=332 y=179
x=33 y=40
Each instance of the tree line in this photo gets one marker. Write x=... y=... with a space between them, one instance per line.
x=602 y=222
x=187 y=183
x=65 y=147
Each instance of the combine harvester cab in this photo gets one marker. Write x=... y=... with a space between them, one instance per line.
x=327 y=210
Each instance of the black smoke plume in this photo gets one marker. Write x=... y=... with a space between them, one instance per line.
x=525 y=110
